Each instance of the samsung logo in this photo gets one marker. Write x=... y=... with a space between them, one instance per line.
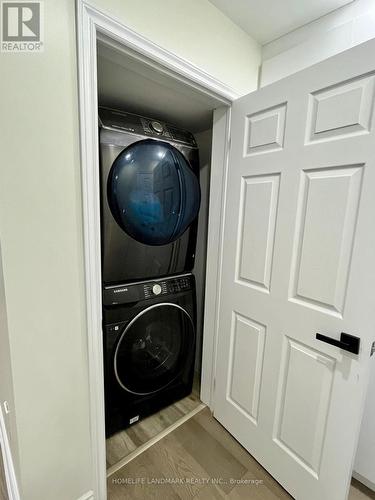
x=119 y=290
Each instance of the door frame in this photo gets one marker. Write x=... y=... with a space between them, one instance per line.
x=94 y=24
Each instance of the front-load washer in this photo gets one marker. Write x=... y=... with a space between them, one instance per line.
x=150 y=197
x=149 y=332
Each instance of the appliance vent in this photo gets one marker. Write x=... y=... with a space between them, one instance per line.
x=181 y=135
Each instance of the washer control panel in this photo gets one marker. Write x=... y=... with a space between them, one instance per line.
x=134 y=292
x=166 y=287
x=156 y=289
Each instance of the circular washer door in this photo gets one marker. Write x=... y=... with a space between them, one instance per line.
x=154 y=348
x=152 y=192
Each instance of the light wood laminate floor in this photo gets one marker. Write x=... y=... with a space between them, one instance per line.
x=200 y=460
x=3 y=489
x=359 y=492
x=123 y=443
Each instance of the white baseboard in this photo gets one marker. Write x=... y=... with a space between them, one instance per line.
x=364 y=481
x=87 y=496
x=10 y=475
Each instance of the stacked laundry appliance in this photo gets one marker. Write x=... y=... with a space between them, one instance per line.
x=150 y=198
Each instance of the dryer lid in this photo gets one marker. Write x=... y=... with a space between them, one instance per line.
x=152 y=192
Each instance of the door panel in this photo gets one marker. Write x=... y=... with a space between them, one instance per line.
x=298 y=258
x=246 y=360
x=258 y=219
x=328 y=209
x=265 y=130
x=302 y=410
x=344 y=109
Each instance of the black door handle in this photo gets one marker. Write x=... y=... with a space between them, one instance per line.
x=347 y=342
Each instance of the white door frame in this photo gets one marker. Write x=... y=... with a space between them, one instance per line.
x=93 y=24
x=10 y=473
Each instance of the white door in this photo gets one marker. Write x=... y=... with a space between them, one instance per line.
x=299 y=259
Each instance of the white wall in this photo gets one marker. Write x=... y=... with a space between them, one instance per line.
x=198 y=32
x=41 y=222
x=41 y=235
x=316 y=41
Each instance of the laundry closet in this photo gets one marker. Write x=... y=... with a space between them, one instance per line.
x=139 y=105
x=275 y=181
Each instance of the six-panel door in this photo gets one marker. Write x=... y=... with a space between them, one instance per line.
x=299 y=258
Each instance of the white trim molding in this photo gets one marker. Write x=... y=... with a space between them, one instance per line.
x=86 y=32
x=114 y=33
x=10 y=474
x=215 y=243
x=362 y=479
x=87 y=496
x=94 y=24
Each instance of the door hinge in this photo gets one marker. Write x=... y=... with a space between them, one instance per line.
x=372 y=349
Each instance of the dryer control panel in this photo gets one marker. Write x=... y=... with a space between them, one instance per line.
x=134 y=292
x=140 y=125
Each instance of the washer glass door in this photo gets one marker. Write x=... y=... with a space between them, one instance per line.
x=154 y=349
x=153 y=193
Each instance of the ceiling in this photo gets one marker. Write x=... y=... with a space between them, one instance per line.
x=266 y=20
x=128 y=84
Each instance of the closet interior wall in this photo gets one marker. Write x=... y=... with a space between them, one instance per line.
x=204 y=141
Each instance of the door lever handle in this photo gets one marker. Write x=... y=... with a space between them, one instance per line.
x=347 y=342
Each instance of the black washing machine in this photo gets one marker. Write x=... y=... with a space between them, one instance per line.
x=149 y=347
x=150 y=197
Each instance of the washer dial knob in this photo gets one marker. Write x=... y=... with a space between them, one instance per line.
x=156 y=127
x=156 y=289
